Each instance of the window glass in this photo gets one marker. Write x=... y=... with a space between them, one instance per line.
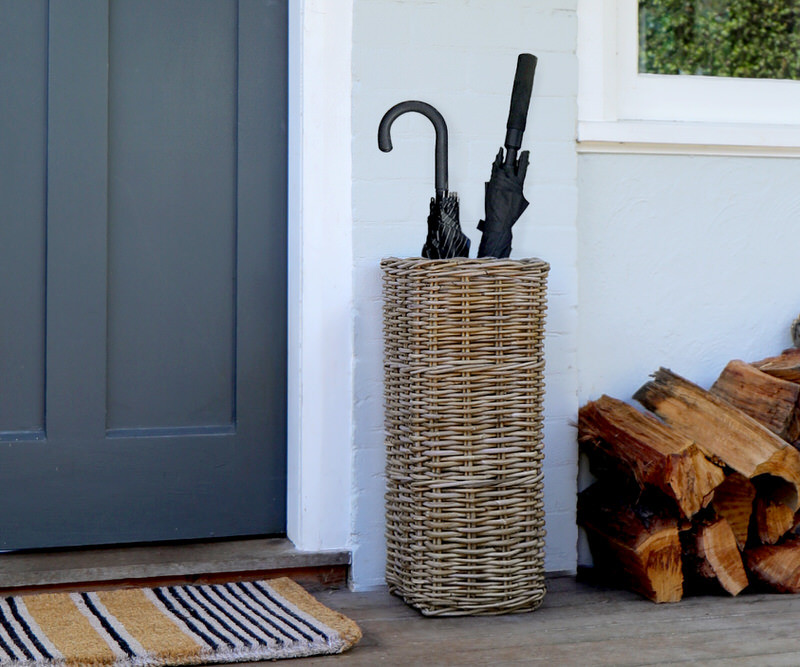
x=757 y=39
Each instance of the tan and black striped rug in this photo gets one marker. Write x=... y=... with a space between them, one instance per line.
x=171 y=625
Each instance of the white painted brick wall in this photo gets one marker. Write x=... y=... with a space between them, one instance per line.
x=460 y=55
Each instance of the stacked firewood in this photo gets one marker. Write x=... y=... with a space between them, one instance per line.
x=701 y=490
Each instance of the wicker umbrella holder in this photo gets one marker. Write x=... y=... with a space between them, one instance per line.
x=463 y=382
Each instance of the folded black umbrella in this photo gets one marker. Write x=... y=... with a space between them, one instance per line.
x=505 y=202
x=445 y=238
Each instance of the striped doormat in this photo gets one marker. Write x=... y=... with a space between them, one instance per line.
x=171 y=625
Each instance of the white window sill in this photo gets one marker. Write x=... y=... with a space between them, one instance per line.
x=688 y=138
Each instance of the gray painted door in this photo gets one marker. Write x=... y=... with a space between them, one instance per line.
x=142 y=270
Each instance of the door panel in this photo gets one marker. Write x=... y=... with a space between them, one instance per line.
x=23 y=111
x=161 y=294
x=172 y=203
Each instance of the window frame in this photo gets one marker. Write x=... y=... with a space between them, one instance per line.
x=619 y=107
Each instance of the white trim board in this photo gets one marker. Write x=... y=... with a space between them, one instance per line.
x=689 y=138
x=320 y=299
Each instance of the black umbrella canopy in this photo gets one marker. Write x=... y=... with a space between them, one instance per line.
x=445 y=238
x=505 y=202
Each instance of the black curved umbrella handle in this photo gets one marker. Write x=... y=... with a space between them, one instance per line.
x=385 y=139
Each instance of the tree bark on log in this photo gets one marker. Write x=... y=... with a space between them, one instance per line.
x=785 y=366
x=712 y=555
x=617 y=436
x=724 y=433
x=633 y=544
x=773 y=402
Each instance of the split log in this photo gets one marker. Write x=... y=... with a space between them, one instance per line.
x=724 y=433
x=773 y=520
x=632 y=544
x=617 y=436
x=712 y=555
x=785 y=366
x=733 y=501
x=769 y=400
x=778 y=566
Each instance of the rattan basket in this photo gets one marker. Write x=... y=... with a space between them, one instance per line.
x=463 y=383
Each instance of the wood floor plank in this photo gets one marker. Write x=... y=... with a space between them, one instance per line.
x=578 y=624
x=773 y=660
x=582 y=631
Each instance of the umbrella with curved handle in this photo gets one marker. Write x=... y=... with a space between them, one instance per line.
x=445 y=238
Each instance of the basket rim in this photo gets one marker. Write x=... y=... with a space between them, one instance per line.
x=465 y=261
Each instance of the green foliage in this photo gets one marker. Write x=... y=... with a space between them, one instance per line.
x=742 y=38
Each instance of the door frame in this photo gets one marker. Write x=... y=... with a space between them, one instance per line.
x=320 y=291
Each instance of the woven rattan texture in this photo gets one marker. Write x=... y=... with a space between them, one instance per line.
x=463 y=383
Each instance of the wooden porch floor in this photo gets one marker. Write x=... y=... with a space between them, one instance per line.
x=578 y=624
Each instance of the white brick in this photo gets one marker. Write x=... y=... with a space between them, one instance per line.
x=371 y=464
x=389 y=201
x=559 y=487
x=556 y=245
x=553 y=162
x=560 y=350
x=561 y=394
x=560 y=441
x=562 y=314
x=368 y=412
x=560 y=542
x=379 y=23
x=367 y=284
x=534 y=31
x=552 y=205
x=550 y=120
